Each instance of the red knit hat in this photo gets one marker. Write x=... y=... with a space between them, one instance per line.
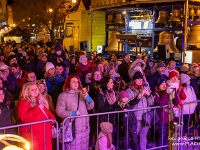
x=123 y=94
x=173 y=74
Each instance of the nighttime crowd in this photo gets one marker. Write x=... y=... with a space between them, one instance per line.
x=41 y=81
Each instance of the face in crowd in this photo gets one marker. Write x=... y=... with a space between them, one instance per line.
x=2 y=95
x=172 y=65
x=127 y=58
x=33 y=91
x=59 y=70
x=42 y=87
x=51 y=71
x=97 y=76
x=110 y=84
x=74 y=83
x=14 y=70
x=161 y=70
x=100 y=67
x=31 y=77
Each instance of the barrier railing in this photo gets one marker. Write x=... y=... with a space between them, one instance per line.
x=15 y=129
x=190 y=133
x=118 y=128
x=125 y=128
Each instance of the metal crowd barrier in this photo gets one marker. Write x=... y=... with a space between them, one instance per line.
x=117 y=135
x=16 y=128
x=190 y=121
x=175 y=132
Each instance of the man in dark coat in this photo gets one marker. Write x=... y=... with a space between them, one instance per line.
x=124 y=67
x=160 y=73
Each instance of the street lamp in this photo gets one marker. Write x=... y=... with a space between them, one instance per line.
x=70 y=4
x=50 y=10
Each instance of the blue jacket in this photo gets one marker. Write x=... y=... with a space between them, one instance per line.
x=64 y=63
x=154 y=78
x=54 y=83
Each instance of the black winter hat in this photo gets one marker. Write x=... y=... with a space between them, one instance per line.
x=137 y=75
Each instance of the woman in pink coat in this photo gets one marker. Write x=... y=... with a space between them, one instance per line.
x=32 y=107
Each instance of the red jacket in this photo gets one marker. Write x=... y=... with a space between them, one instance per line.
x=35 y=134
x=81 y=68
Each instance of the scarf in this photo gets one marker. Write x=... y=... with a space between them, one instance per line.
x=110 y=96
x=138 y=87
x=18 y=75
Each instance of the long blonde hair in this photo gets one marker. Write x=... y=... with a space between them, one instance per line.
x=25 y=95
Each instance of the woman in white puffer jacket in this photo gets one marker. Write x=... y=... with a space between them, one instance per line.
x=189 y=104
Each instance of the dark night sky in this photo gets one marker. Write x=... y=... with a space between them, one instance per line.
x=85 y=2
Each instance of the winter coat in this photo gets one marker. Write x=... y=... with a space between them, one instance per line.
x=104 y=106
x=40 y=70
x=101 y=143
x=161 y=98
x=67 y=103
x=54 y=83
x=153 y=80
x=123 y=71
x=145 y=101
x=30 y=66
x=72 y=69
x=54 y=87
x=39 y=135
x=190 y=97
x=12 y=86
x=81 y=68
x=6 y=120
x=64 y=63
x=195 y=83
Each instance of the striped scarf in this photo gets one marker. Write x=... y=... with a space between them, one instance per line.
x=18 y=75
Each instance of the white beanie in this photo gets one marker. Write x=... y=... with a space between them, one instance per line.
x=184 y=78
x=4 y=67
x=82 y=58
x=48 y=66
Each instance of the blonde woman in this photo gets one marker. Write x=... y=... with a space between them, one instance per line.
x=33 y=107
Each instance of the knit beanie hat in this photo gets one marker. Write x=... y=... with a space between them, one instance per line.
x=123 y=94
x=58 y=47
x=173 y=74
x=125 y=54
x=137 y=75
x=184 y=78
x=4 y=67
x=49 y=65
x=82 y=58
x=160 y=64
x=185 y=68
x=160 y=81
x=106 y=127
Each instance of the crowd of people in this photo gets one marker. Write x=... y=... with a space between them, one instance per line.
x=41 y=81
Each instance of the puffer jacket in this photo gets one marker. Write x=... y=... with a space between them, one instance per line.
x=102 y=141
x=66 y=104
x=189 y=108
x=144 y=102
